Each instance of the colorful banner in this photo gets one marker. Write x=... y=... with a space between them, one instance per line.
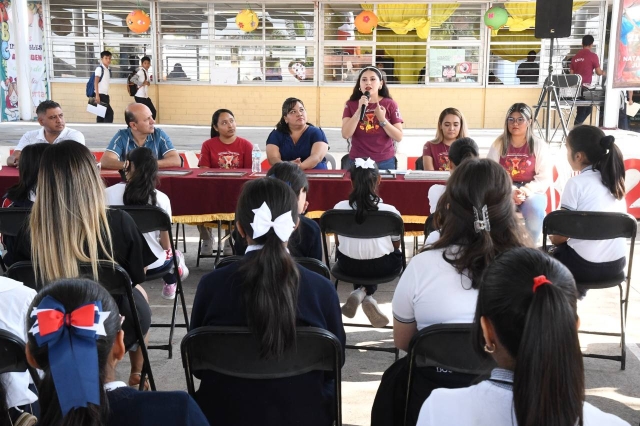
x=627 y=56
x=8 y=66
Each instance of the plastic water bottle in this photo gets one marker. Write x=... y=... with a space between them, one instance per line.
x=256 y=159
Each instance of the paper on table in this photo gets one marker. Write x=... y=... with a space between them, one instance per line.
x=99 y=110
x=632 y=109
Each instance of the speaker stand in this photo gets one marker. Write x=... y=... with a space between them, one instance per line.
x=549 y=96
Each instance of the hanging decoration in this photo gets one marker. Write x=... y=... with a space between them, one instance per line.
x=496 y=18
x=366 y=21
x=138 y=21
x=247 y=20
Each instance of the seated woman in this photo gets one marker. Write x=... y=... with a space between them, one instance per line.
x=451 y=126
x=440 y=285
x=79 y=386
x=527 y=320
x=23 y=194
x=599 y=187
x=270 y=294
x=295 y=140
x=526 y=159
x=141 y=173
x=366 y=258
x=306 y=240
x=71 y=223
x=225 y=150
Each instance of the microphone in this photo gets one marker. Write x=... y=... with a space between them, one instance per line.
x=363 y=108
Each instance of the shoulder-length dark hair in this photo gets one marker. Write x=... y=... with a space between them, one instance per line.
x=141 y=185
x=383 y=91
x=538 y=329
x=474 y=184
x=29 y=166
x=270 y=277
x=364 y=195
x=603 y=154
x=287 y=106
x=72 y=294
x=503 y=141
x=215 y=118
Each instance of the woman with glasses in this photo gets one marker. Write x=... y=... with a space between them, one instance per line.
x=296 y=140
x=526 y=159
x=373 y=135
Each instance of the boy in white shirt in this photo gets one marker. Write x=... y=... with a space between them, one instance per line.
x=141 y=79
x=101 y=84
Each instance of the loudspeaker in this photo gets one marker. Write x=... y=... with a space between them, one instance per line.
x=553 y=18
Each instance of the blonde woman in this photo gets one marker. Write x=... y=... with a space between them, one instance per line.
x=70 y=223
x=526 y=159
x=451 y=126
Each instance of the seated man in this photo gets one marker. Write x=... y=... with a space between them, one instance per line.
x=140 y=131
x=51 y=118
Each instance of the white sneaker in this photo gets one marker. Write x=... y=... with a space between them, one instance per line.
x=227 y=250
x=207 y=247
x=373 y=312
x=182 y=266
x=353 y=301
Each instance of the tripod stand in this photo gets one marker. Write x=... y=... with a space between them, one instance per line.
x=549 y=95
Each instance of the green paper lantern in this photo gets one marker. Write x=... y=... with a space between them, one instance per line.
x=496 y=18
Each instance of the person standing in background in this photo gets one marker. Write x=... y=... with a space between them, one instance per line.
x=529 y=71
x=584 y=63
x=141 y=79
x=101 y=84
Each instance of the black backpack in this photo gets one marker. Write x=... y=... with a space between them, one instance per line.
x=132 y=87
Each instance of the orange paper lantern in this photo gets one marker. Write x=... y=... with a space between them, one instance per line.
x=138 y=21
x=366 y=21
x=247 y=20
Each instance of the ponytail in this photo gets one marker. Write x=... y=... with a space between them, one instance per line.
x=141 y=186
x=364 y=196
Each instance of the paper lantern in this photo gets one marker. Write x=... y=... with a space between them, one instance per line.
x=138 y=21
x=366 y=21
x=247 y=20
x=496 y=18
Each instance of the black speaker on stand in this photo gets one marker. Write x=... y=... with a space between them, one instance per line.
x=553 y=20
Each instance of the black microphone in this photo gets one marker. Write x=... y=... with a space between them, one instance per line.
x=363 y=108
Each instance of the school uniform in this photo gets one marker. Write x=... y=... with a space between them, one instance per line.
x=289 y=151
x=103 y=91
x=490 y=403
x=434 y=194
x=368 y=257
x=142 y=95
x=300 y=400
x=591 y=260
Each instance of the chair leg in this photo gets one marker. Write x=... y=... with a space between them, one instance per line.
x=219 y=242
x=2 y=265
x=199 y=248
x=184 y=240
x=623 y=349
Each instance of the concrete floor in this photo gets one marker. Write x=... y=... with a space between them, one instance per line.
x=608 y=388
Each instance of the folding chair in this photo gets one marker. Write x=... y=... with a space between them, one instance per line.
x=419 y=165
x=235 y=351
x=378 y=224
x=23 y=272
x=598 y=226
x=12 y=220
x=331 y=161
x=220 y=225
x=314 y=265
x=226 y=261
x=150 y=219
x=13 y=358
x=447 y=347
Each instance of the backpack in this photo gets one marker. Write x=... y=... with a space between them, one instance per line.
x=91 y=87
x=132 y=87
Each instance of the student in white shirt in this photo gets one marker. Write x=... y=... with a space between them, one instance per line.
x=527 y=320
x=141 y=79
x=53 y=130
x=367 y=258
x=599 y=187
x=102 y=81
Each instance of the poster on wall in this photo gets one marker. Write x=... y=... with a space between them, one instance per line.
x=8 y=66
x=443 y=63
x=627 y=58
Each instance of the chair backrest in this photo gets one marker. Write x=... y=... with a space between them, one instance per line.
x=586 y=225
x=148 y=218
x=23 y=272
x=111 y=276
x=344 y=162
x=226 y=261
x=12 y=356
x=235 y=351
x=331 y=161
x=419 y=163
x=566 y=80
x=314 y=265
x=13 y=219
x=429 y=225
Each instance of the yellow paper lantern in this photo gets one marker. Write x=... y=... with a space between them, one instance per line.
x=366 y=21
x=247 y=20
x=138 y=21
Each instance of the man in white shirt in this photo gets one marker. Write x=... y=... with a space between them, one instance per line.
x=53 y=130
x=101 y=83
x=141 y=79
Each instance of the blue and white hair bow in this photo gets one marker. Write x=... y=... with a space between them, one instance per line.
x=365 y=164
x=283 y=225
x=73 y=354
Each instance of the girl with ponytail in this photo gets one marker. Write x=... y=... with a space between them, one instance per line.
x=598 y=187
x=270 y=294
x=526 y=320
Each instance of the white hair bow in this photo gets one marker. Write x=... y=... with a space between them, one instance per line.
x=365 y=164
x=283 y=225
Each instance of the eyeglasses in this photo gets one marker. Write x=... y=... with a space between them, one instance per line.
x=519 y=120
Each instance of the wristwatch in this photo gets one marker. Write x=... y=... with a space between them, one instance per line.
x=383 y=123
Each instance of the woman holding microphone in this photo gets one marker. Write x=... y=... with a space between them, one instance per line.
x=373 y=134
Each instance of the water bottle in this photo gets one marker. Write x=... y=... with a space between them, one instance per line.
x=256 y=159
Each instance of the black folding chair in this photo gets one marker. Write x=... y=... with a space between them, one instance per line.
x=226 y=261
x=598 y=226
x=378 y=224
x=314 y=265
x=184 y=238
x=150 y=219
x=12 y=220
x=235 y=351
x=23 y=271
x=419 y=164
x=13 y=358
x=447 y=347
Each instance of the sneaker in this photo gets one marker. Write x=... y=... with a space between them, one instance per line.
x=373 y=312
x=182 y=266
x=169 y=291
x=227 y=250
x=353 y=301
x=207 y=248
